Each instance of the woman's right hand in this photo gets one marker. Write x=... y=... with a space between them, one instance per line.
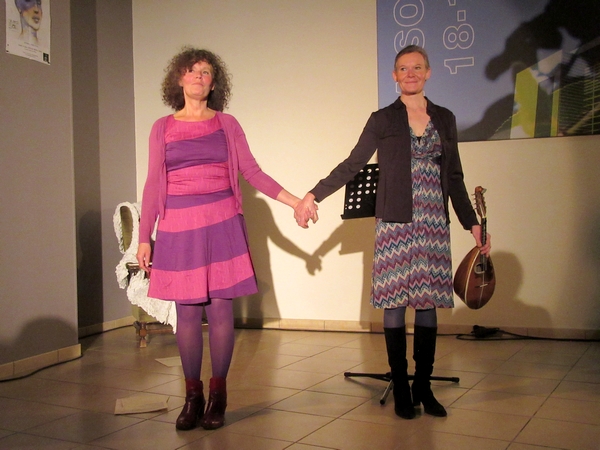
x=144 y=255
x=306 y=209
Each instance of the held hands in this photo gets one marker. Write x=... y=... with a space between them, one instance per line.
x=484 y=249
x=313 y=264
x=305 y=210
x=143 y=256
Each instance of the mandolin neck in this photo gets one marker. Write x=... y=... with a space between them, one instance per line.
x=483 y=236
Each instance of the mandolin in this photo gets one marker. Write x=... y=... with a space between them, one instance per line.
x=475 y=279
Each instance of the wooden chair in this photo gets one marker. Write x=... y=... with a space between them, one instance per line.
x=152 y=316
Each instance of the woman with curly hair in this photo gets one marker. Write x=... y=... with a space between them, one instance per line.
x=200 y=258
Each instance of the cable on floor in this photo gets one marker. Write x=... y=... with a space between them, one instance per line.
x=480 y=333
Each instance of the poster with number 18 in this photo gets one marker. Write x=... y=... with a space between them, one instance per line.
x=508 y=69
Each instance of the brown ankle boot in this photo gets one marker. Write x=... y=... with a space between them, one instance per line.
x=194 y=405
x=214 y=417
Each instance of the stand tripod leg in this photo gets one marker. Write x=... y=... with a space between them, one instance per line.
x=451 y=379
x=388 y=377
x=386 y=392
x=377 y=376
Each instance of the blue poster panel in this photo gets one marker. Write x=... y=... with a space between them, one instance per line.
x=508 y=69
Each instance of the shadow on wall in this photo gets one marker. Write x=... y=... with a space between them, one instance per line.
x=505 y=301
x=37 y=337
x=355 y=236
x=262 y=229
x=89 y=270
x=575 y=18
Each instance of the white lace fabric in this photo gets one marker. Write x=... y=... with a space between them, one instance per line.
x=137 y=285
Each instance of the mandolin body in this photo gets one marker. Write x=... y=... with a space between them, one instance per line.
x=475 y=280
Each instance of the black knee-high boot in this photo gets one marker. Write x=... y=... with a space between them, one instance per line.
x=395 y=341
x=424 y=355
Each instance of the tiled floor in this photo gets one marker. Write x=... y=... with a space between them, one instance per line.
x=287 y=390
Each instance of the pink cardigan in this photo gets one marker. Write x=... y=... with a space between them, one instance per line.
x=240 y=161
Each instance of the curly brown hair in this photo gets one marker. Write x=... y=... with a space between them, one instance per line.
x=172 y=92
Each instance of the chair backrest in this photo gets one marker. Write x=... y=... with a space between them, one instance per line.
x=126 y=221
x=126 y=226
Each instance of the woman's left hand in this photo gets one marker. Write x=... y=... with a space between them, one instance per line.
x=306 y=210
x=484 y=249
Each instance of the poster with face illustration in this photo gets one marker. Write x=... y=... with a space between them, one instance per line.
x=508 y=69
x=28 y=29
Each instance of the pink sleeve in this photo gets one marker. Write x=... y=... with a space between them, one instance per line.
x=152 y=197
x=249 y=168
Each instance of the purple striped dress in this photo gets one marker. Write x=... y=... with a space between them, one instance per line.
x=201 y=249
x=412 y=265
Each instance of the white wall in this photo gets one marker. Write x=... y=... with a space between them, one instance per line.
x=305 y=82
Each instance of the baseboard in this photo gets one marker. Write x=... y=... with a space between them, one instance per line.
x=377 y=327
x=106 y=326
x=305 y=325
x=27 y=366
x=358 y=327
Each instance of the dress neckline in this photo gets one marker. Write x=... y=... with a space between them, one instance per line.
x=193 y=121
x=412 y=132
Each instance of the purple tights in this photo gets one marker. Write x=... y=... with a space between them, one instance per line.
x=219 y=313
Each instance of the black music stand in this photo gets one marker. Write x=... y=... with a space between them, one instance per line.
x=359 y=198
x=359 y=202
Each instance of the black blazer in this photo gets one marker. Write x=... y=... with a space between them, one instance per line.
x=387 y=131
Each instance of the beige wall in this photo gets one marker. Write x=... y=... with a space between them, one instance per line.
x=304 y=75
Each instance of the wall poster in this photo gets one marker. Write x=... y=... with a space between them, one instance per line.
x=508 y=69
x=28 y=29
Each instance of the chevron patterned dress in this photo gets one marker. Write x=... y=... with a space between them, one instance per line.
x=412 y=264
